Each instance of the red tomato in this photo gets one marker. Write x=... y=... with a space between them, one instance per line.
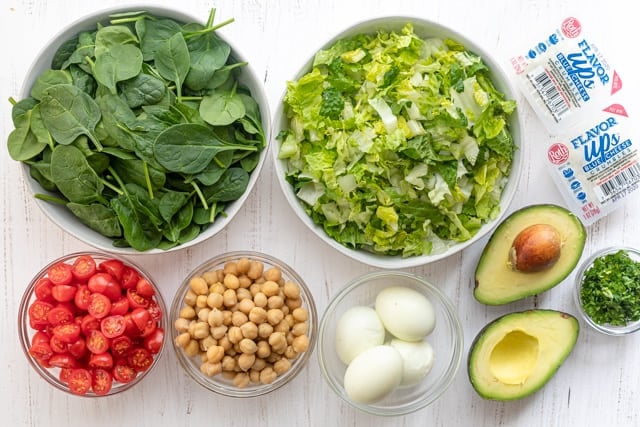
x=136 y=300
x=114 y=267
x=131 y=330
x=149 y=328
x=78 y=348
x=130 y=277
x=120 y=307
x=83 y=268
x=42 y=289
x=140 y=359
x=81 y=298
x=40 y=337
x=144 y=288
x=140 y=317
x=102 y=360
x=60 y=274
x=79 y=381
x=89 y=323
x=96 y=342
x=67 y=332
x=121 y=345
x=60 y=314
x=113 y=326
x=63 y=293
x=57 y=345
x=153 y=341
x=41 y=351
x=101 y=381
x=65 y=374
x=154 y=310
x=63 y=360
x=39 y=314
x=105 y=284
x=124 y=373
x=99 y=305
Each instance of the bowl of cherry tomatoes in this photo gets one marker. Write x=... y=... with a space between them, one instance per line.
x=92 y=324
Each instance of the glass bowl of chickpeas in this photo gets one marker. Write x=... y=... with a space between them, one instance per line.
x=244 y=324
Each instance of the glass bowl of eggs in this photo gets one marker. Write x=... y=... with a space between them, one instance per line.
x=390 y=343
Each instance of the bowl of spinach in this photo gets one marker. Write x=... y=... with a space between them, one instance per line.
x=141 y=130
x=398 y=142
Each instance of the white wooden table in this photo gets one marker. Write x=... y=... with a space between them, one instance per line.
x=598 y=385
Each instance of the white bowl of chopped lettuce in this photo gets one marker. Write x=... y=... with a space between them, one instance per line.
x=398 y=142
x=141 y=129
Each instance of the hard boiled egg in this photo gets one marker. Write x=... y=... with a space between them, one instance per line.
x=405 y=313
x=417 y=360
x=358 y=329
x=373 y=374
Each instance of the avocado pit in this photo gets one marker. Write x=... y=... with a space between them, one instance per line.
x=536 y=248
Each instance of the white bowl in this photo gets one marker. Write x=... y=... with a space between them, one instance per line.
x=62 y=217
x=423 y=28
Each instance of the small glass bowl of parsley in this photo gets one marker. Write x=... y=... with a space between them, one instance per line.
x=608 y=290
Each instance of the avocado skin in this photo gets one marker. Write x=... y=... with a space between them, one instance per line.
x=544 y=372
x=495 y=281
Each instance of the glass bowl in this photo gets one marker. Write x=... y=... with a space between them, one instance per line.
x=294 y=194
x=606 y=328
x=116 y=360
x=60 y=215
x=245 y=348
x=446 y=340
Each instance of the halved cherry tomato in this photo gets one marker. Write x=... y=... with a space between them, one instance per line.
x=155 y=311
x=67 y=332
x=140 y=317
x=113 y=326
x=60 y=314
x=130 y=278
x=149 y=328
x=65 y=374
x=153 y=341
x=40 y=337
x=105 y=284
x=39 y=314
x=101 y=381
x=114 y=267
x=96 y=342
x=120 y=306
x=136 y=300
x=102 y=360
x=63 y=293
x=42 y=290
x=89 y=323
x=144 y=288
x=78 y=348
x=83 y=268
x=140 y=359
x=121 y=345
x=41 y=351
x=124 y=373
x=81 y=299
x=131 y=329
x=99 y=305
x=79 y=381
x=60 y=274
x=63 y=360
x=57 y=345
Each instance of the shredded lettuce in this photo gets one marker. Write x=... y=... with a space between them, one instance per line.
x=396 y=144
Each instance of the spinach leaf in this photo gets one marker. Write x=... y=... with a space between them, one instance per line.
x=84 y=49
x=22 y=142
x=47 y=79
x=172 y=60
x=119 y=63
x=83 y=80
x=64 y=52
x=139 y=232
x=116 y=117
x=142 y=89
x=189 y=148
x=68 y=113
x=153 y=33
x=112 y=36
x=21 y=107
x=230 y=187
x=74 y=177
x=172 y=202
x=208 y=54
x=222 y=108
x=98 y=217
x=134 y=171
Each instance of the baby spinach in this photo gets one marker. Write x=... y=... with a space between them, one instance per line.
x=141 y=129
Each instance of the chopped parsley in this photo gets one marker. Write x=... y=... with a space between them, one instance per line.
x=610 y=290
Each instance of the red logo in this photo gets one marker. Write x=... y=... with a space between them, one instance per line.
x=571 y=27
x=558 y=153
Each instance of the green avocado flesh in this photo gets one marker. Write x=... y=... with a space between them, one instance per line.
x=516 y=354
x=497 y=282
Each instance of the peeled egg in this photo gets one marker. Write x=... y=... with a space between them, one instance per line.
x=405 y=313
x=373 y=374
x=417 y=360
x=358 y=329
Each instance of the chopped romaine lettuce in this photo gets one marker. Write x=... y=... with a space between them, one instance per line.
x=396 y=144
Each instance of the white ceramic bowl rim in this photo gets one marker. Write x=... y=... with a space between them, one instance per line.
x=63 y=218
x=424 y=28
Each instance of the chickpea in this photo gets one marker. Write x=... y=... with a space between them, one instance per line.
x=245 y=361
x=230 y=267
x=235 y=335
x=207 y=343
x=300 y=344
x=290 y=353
x=275 y=316
x=183 y=339
x=273 y=274
x=300 y=328
x=215 y=317
x=263 y=349
x=249 y=330
x=187 y=312
x=198 y=285
x=275 y=301
x=260 y=300
x=290 y=320
x=225 y=343
x=228 y=363
x=300 y=314
x=217 y=288
x=242 y=265
x=211 y=369
x=254 y=375
x=258 y=315
x=243 y=294
x=270 y=288
x=229 y=298
x=259 y=364
x=267 y=375
x=200 y=330
x=214 y=300
x=215 y=354
x=226 y=317
x=190 y=298
x=192 y=348
x=181 y=324
x=283 y=326
x=254 y=288
x=210 y=277
x=231 y=281
x=255 y=270
x=201 y=301
x=203 y=314
x=291 y=290
x=241 y=379
x=238 y=318
x=246 y=305
x=278 y=342
x=219 y=332
x=282 y=366
x=245 y=281
x=264 y=330
x=248 y=346
x=293 y=303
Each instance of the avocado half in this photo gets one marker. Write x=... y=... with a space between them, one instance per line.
x=498 y=282
x=516 y=354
